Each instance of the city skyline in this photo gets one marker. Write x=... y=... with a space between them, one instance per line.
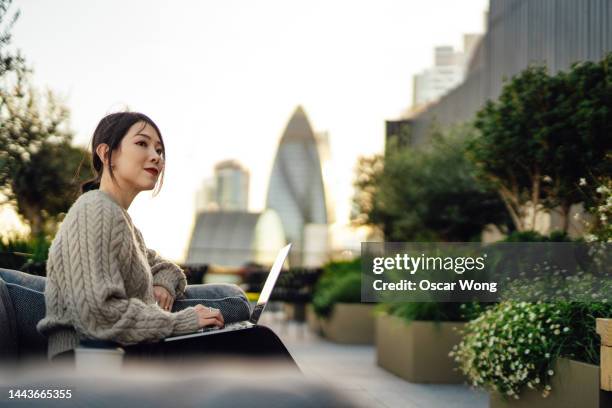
x=221 y=80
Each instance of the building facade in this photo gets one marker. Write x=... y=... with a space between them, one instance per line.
x=232 y=186
x=556 y=33
x=447 y=73
x=235 y=238
x=296 y=190
x=227 y=190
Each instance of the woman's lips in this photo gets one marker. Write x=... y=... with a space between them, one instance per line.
x=153 y=172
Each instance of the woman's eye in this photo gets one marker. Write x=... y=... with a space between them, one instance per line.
x=141 y=143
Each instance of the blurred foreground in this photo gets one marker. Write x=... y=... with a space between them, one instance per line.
x=333 y=375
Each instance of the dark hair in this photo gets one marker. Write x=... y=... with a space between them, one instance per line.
x=111 y=130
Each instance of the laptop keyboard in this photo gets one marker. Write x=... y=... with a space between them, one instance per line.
x=229 y=326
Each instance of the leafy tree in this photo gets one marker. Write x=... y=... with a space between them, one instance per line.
x=580 y=145
x=368 y=172
x=510 y=153
x=38 y=166
x=9 y=61
x=37 y=162
x=426 y=194
x=542 y=135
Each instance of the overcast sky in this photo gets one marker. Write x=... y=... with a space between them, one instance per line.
x=221 y=78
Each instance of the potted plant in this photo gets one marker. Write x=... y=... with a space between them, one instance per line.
x=340 y=315
x=535 y=354
x=543 y=354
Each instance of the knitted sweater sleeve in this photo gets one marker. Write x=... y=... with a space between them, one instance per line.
x=101 y=254
x=165 y=273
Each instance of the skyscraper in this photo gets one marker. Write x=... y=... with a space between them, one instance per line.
x=227 y=190
x=296 y=191
x=232 y=182
x=448 y=72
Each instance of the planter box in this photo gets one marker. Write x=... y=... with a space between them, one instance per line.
x=574 y=385
x=350 y=323
x=418 y=351
x=295 y=311
x=312 y=319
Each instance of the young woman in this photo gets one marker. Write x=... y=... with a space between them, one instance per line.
x=103 y=283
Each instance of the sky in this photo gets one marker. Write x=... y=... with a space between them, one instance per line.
x=222 y=78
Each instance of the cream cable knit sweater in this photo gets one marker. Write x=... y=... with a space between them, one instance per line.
x=100 y=278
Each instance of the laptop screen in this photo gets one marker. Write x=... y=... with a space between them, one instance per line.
x=269 y=285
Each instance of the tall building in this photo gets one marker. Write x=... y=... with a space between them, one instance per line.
x=448 y=72
x=520 y=33
x=225 y=233
x=296 y=192
x=235 y=238
x=232 y=186
x=324 y=150
x=206 y=199
x=227 y=190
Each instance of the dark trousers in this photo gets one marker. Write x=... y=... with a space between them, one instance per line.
x=257 y=342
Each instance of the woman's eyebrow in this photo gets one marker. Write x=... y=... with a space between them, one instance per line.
x=147 y=136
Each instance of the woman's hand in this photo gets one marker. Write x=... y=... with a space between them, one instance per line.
x=163 y=297
x=209 y=316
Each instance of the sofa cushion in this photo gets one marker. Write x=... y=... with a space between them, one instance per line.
x=23 y=279
x=8 y=331
x=29 y=309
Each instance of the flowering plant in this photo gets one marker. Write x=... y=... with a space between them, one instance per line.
x=601 y=229
x=515 y=344
x=512 y=345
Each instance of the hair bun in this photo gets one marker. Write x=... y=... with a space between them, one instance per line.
x=89 y=185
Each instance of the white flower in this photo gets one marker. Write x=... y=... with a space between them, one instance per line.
x=565 y=329
x=557 y=332
x=582 y=181
x=551 y=372
x=547 y=355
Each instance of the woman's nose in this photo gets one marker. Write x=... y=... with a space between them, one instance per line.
x=157 y=157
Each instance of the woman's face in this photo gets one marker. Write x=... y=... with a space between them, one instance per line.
x=139 y=160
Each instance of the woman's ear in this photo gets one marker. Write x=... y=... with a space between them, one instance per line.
x=102 y=152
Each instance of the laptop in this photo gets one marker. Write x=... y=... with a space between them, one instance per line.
x=264 y=296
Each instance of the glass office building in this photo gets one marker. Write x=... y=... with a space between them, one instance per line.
x=296 y=190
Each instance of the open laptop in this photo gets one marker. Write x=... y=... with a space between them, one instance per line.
x=264 y=296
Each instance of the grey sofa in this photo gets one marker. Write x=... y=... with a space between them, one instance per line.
x=22 y=306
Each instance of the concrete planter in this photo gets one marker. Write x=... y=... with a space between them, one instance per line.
x=349 y=323
x=574 y=385
x=418 y=351
x=312 y=320
x=295 y=311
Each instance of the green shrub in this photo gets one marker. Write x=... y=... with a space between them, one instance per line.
x=533 y=236
x=340 y=282
x=433 y=311
x=515 y=344
x=17 y=251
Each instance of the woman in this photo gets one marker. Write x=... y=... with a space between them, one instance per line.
x=103 y=283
